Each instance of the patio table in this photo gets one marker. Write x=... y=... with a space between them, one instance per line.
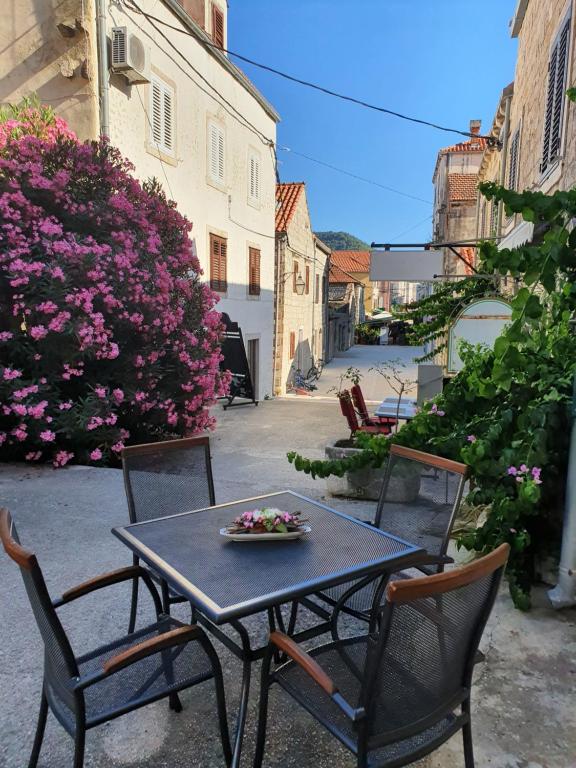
x=227 y=581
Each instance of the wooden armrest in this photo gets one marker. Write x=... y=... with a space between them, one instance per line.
x=104 y=580
x=152 y=645
x=304 y=660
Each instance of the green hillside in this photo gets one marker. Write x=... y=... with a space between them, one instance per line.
x=342 y=241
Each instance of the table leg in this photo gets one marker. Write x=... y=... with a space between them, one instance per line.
x=247 y=658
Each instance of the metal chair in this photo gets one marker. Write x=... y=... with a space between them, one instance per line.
x=419 y=500
x=163 y=479
x=347 y=408
x=362 y=410
x=136 y=669
x=396 y=694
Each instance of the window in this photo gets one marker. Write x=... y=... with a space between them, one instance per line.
x=493 y=219
x=161 y=115
x=292 y=344
x=555 y=99
x=317 y=290
x=217 y=26
x=216 y=153
x=218 y=253
x=307 y=279
x=513 y=168
x=294 y=276
x=254 y=177
x=253 y=272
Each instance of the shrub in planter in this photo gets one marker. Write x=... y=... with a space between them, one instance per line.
x=107 y=334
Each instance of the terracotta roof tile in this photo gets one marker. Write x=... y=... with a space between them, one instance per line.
x=352 y=261
x=287 y=197
x=462 y=186
x=474 y=145
x=338 y=275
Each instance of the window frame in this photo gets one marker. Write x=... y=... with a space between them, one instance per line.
x=254 y=286
x=218 y=283
x=549 y=161
x=254 y=179
x=218 y=180
x=217 y=12
x=166 y=89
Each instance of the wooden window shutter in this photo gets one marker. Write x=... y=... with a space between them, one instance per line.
x=216 y=153
x=307 y=279
x=254 y=178
x=292 y=344
x=218 y=267
x=555 y=99
x=513 y=169
x=161 y=116
x=317 y=290
x=217 y=26
x=294 y=276
x=253 y=272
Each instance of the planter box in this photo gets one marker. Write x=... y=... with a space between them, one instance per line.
x=363 y=483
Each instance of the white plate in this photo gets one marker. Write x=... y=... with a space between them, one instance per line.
x=266 y=536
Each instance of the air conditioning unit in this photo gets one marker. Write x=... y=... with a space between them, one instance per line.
x=129 y=56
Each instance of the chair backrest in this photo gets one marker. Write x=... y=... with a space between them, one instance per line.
x=347 y=408
x=360 y=403
x=60 y=664
x=419 y=668
x=167 y=478
x=419 y=498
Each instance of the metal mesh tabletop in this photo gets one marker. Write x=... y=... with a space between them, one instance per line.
x=228 y=580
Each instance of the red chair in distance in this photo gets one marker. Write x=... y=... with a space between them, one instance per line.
x=362 y=410
x=347 y=408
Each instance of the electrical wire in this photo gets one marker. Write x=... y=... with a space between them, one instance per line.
x=228 y=106
x=413 y=227
x=492 y=140
x=355 y=176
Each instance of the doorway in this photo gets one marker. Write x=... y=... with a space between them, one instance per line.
x=252 y=353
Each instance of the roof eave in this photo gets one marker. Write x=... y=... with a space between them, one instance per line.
x=206 y=41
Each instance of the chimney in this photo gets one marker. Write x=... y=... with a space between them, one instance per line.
x=475 y=126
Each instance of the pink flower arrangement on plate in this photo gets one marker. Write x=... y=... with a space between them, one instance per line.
x=266 y=520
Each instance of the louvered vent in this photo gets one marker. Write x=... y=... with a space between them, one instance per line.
x=119 y=46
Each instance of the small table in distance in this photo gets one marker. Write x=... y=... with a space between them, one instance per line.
x=228 y=581
x=389 y=407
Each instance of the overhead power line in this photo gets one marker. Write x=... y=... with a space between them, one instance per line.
x=492 y=140
x=355 y=176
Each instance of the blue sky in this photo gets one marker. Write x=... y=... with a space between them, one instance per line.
x=446 y=61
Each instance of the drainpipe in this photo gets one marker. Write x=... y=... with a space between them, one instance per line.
x=564 y=593
x=103 y=74
x=504 y=163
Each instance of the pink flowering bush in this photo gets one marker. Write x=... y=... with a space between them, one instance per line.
x=107 y=334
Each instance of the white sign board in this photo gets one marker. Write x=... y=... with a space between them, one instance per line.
x=405 y=266
x=481 y=322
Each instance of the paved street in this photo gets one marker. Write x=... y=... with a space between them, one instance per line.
x=524 y=697
x=364 y=357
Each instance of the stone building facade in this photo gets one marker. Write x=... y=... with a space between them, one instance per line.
x=190 y=118
x=301 y=279
x=535 y=121
x=455 y=182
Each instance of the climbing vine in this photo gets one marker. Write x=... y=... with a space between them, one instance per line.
x=507 y=413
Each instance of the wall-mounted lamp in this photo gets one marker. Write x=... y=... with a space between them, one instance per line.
x=300 y=284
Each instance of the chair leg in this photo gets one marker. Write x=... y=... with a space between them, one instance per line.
x=79 y=743
x=165 y=597
x=467 y=737
x=38 y=738
x=133 y=606
x=175 y=703
x=263 y=710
